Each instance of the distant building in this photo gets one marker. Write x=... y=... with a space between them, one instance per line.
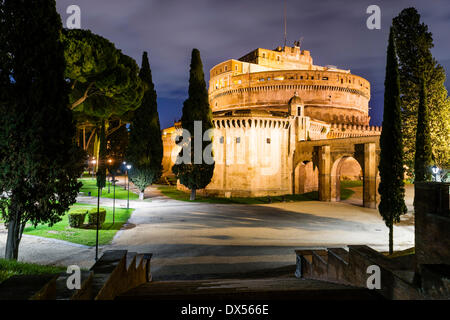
x=263 y=105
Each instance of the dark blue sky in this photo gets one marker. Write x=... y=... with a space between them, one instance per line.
x=333 y=30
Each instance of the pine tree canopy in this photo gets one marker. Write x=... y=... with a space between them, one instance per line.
x=104 y=81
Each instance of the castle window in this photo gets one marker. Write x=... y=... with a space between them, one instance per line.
x=312 y=78
x=222 y=140
x=268 y=140
x=236 y=68
x=342 y=81
x=238 y=140
x=325 y=78
x=278 y=58
x=262 y=79
x=301 y=77
x=264 y=55
x=226 y=68
x=299 y=111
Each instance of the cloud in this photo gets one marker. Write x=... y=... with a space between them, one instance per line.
x=334 y=31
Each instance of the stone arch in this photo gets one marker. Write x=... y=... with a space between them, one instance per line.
x=306 y=177
x=344 y=168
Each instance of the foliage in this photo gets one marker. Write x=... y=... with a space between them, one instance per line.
x=145 y=150
x=104 y=81
x=90 y=185
x=10 y=268
x=93 y=214
x=76 y=218
x=414 y=43
x=422 y=159
x=391 y=168
x=87 y=234
x=39 y=161
x=117 y=143
x=195 y=108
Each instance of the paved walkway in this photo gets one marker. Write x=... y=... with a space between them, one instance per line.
x=201 y=238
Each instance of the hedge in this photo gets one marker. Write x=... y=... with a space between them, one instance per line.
x=76 y=217
x=93 y=216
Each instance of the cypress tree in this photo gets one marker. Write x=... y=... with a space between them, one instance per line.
x=196 y=108
x=392 y=187
x=39 y=160
x=145 y=150
x=422 y=158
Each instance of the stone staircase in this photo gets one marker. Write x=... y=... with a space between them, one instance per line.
x=117 y=271
x=337 y=265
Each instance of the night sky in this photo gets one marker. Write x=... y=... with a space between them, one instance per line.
x=333 y=30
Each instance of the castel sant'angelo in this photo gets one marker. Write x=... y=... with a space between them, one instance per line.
x=264 y=106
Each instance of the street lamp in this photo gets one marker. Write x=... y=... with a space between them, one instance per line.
x=128 y=178
x=125 y=166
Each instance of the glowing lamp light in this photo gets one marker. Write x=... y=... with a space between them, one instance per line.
x=129 y=166
x=435 y=169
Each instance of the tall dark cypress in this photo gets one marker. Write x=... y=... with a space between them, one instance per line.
x=391 y=167
x=145 y=149
x=39 y=160
x=196 y=108
x=423 y=157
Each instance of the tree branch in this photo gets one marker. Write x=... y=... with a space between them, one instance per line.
x=83 y=98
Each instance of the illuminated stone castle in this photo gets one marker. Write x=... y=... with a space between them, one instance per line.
x=264 y=104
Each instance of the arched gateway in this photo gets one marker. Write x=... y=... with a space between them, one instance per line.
x=328 y=156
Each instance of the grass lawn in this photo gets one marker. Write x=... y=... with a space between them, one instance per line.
x=9 y=268
x=87 y=234
x=173 y=193
x=90 y=184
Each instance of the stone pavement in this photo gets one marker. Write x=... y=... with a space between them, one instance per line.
x=200 y=238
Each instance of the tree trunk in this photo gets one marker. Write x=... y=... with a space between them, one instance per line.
x=13 y=239
x=141 y=195
x=391 y=239
x=193 y=192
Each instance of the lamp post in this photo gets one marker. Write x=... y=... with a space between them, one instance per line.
x=114 y=198
x=125 y=166
x=128 y=178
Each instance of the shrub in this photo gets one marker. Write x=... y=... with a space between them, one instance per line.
x=93 y=216
x=76 y=217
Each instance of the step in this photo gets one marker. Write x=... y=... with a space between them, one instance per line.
x=64 y=293
x=245 y=289
x=131 y=260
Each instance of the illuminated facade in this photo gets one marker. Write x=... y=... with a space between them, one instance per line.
x=263 y=105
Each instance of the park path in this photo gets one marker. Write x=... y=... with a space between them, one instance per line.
x=200 y=238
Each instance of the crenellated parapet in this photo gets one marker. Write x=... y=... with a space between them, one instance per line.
x=339 y=130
